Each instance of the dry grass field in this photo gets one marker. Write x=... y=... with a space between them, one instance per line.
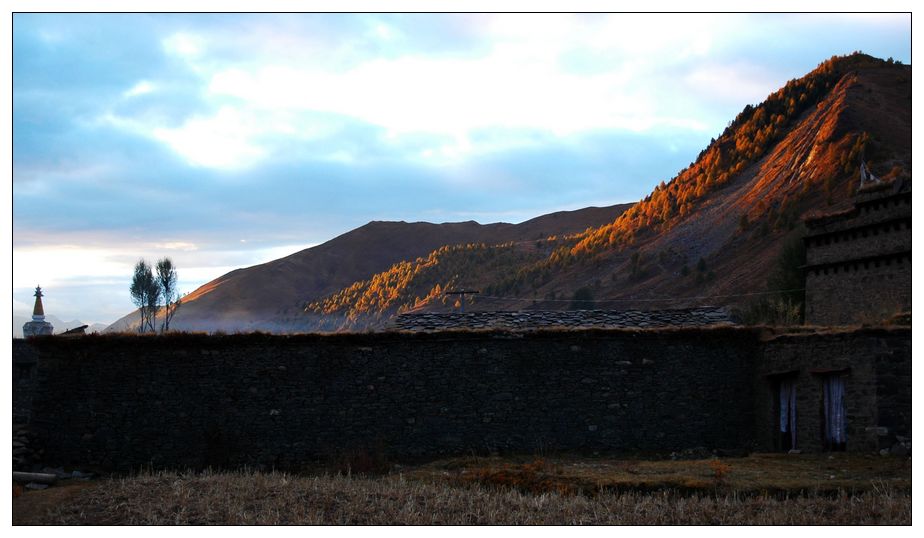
x=760 y=489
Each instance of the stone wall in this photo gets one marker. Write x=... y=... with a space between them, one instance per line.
x=25 y=360
x=571 y=319
x=877 y=366
x=120 y=402
x=864 y=292
x=893 y=394
x=858 y=262
x=868 y=241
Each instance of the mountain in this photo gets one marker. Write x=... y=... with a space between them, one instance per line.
x=271 y=296
x=713 y=234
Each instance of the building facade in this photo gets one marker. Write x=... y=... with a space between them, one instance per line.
x=858 y=261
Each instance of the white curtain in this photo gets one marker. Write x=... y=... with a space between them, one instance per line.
x=788 y=409
x=835 y=410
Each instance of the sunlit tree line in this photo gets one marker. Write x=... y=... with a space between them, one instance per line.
x=411 y=284
x=518 y=270
x=745 y=140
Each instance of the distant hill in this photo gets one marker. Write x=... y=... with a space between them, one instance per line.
x=271 y=296
x=711 y=235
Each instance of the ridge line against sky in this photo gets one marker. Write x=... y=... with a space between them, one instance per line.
x=229 y=140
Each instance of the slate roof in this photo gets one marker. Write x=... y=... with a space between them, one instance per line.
x=536 y=319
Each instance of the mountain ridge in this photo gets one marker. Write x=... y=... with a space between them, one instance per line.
x=714 y=231
x=711 y=233
x=270 y=296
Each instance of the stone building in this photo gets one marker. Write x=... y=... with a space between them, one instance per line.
x=38 y=326
x=858 y=261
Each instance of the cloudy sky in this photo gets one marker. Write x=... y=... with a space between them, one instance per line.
x=224 y=141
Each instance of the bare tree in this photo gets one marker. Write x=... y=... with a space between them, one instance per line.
x=145 y=293
x=166 y=280
x=153 y=297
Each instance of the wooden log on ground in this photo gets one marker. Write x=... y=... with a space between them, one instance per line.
x=41 y=478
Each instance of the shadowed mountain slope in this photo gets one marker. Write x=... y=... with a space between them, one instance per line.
x=270 y=296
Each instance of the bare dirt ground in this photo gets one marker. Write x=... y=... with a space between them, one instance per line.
x=31 y=507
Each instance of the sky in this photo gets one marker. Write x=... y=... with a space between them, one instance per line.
x=226 y=140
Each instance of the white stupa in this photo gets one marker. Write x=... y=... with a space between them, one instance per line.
x=38 y=326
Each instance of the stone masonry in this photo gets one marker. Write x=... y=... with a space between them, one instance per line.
x=191 y=401
x=858 y=262
x=571 y=319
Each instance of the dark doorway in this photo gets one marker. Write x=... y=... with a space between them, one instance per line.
x=784 y=404
x=834 y=411
x=787 y=414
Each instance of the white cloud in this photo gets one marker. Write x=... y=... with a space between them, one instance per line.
x=225 y=140
x=659 y=37
x=56 y=264
x=519 y=82
x=737 y=82
x=419 y=95
x=184 y=44
x=140 y=88
x=385 y=32
x=438 y=96
x=177 y=245
x=555 y=74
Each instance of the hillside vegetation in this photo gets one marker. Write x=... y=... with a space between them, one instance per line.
x=271 y=296
x=408 y=285
x=713 y=234
x=746 y=139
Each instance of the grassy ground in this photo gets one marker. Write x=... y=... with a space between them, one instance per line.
x=772 y=474
x=762 y=489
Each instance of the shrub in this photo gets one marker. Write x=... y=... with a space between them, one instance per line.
x=786 y=304
x=743 y=222
x=582 y=299
x=367 y=462
x=720 y=471
x=772 y=311
x=536 y=477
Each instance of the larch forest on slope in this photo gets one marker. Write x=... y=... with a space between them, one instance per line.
x=715 y=233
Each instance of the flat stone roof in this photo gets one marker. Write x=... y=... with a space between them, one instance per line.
x=534 y=319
